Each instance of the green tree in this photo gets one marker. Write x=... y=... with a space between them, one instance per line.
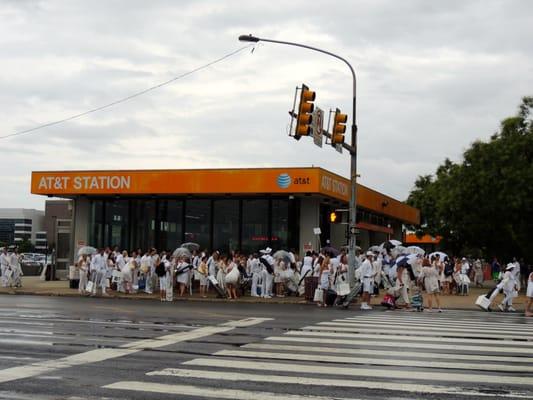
x=25 y=246
x=484 y=204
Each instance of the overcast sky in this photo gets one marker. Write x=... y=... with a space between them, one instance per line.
x=433 y=76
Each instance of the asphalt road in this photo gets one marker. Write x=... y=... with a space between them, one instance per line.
x=83 y=348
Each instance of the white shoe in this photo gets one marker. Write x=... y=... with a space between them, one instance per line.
x=267 y=296
x=511 y=309
x=365 y=307
x=500 y=306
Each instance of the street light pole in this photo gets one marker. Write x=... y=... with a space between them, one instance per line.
x=352 y=259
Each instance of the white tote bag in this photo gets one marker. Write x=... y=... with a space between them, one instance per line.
x=89 y=287
x=319 y=295
x=343 y=288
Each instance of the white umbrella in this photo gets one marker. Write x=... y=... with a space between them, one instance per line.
x=87 y=251
x=374 y=248
x=181 y=252
x=191 y=246
x=440 y=253
x=416 y=250
x=282 y=255
x=395 y=242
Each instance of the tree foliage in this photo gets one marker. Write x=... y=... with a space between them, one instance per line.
x=484 y=204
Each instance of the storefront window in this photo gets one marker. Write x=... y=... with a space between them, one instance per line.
x=169 y=218
x=280 y=224
x=254 y=225
x=143 y=229
x=96 y=224
x=198 y=222
x=116 y=223
x=225 y=225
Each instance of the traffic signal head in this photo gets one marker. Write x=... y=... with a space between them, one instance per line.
x=339 y=127
x=333 y=217
x=306 y=107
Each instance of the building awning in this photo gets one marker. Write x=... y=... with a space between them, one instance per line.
x=252 y=181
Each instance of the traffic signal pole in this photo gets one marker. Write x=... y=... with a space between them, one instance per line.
x=352 y=259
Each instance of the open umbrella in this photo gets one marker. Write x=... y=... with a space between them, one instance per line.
x=390 y=244
x=87 y=251
x=283 y=256
x=191 y=246
x=416 y=250
x=440 y=253
x=331 y=250
x=181 y=252
x=375 y=249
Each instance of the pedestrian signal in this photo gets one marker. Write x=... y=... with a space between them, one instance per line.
x=339 y=128
x=333 y=217
x=306 y=107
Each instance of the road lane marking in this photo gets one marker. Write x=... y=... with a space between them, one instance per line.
x=219 y=393
x=411 y=335
x=409 y=317
x=306 y=381
x=357 y=371
x=387 y=353
x=92 y=356
x=433 y=327
x=398 y=362
x=400 y=344
x=414 y=331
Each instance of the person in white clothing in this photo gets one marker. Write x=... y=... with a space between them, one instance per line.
x=366 y=271
x=529 y=294
x=83 y=268
x=256 y=271
x=4 y=267
x=267 y=274
x=509 y=289
x=14 y=263
x=98 y=269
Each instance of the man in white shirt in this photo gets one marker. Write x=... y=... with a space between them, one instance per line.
x=4 y=267
x=267 y=274
x=98 y=269
x=367 y=277
x=256 y=270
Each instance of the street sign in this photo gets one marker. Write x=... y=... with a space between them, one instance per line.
x=318 y=125
x=353 y=230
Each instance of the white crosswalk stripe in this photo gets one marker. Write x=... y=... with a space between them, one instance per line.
x=405 y=355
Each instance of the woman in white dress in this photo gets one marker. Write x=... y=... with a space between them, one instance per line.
x=83 y=267
x=183 y=277
x=529 y=294
x=430 y=278
x=204 y=272
x=221 y=271
x=231 y=278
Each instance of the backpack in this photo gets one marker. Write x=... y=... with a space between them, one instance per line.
x=448 y=269
x=160 y=270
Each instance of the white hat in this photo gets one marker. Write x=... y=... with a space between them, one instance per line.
x=369 y=253
x=268 y=250
x=463 y=259
x=510 y=266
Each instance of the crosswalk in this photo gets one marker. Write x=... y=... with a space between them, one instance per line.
x=456 y=354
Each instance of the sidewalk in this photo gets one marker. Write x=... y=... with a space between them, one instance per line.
x=32 y=285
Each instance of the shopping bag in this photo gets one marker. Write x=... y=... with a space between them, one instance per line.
x=483 y=302
x=117 y=275
x=343 y=289
x=90 y=286
x=319 y=295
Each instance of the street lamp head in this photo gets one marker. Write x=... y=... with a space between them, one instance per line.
x=249 y=38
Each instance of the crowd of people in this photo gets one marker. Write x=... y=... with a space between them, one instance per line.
x=401 y=274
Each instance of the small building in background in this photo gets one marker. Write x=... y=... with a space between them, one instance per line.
x=20 y=224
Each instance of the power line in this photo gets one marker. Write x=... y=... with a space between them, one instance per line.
x=132 y=96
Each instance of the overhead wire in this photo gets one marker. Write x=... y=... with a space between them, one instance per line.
x=124 y=99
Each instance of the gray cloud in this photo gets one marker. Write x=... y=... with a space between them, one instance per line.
x=432 y=78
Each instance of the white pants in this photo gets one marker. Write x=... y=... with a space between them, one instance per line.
x=256 y=280
x=266 y=287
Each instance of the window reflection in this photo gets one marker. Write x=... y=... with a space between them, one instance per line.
x=225 y=225
x=198 y=222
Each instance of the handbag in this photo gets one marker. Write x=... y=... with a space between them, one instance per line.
x=89 y=287
x=319 y=295
x=343 y=288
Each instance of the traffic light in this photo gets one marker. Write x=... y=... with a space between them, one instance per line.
x=306 y=107
x=334 y=217
x=339 y=127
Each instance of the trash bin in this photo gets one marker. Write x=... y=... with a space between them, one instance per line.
x=311 y=283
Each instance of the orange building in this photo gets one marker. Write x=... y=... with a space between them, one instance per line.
x=225 y=209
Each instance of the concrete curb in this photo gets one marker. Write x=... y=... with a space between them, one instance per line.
x=209 y=299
